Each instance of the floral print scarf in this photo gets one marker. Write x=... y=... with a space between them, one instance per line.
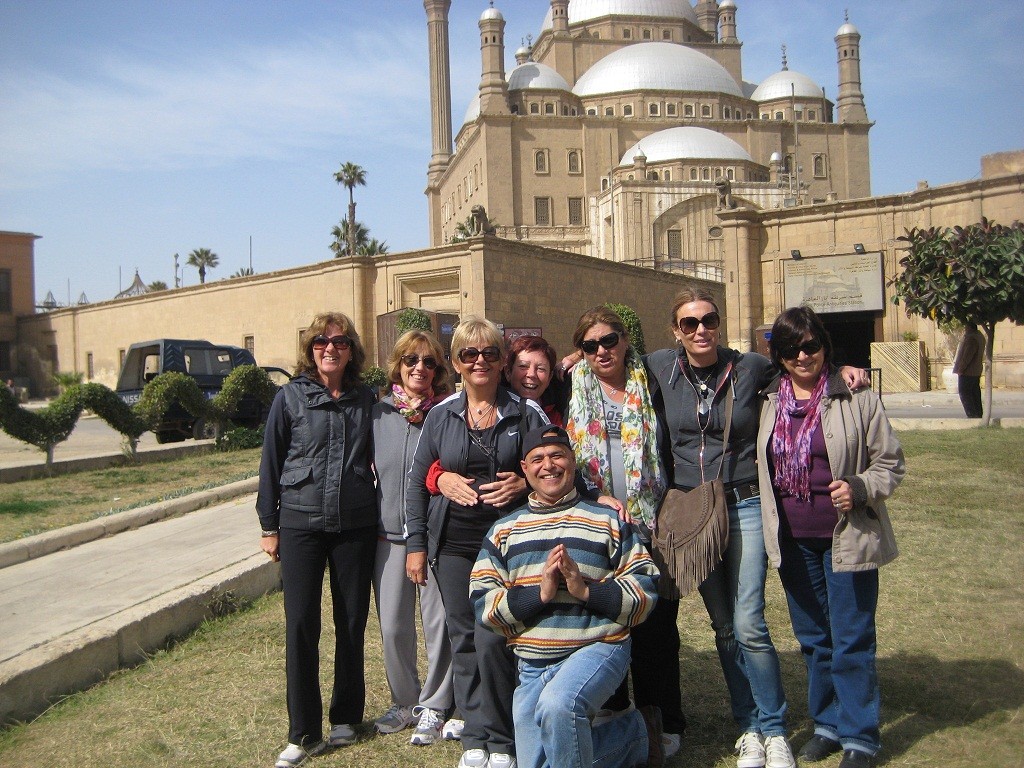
x=645 y=482
x=414 y=414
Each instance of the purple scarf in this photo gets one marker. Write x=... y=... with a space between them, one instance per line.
x=792 y=453
x=413 y=413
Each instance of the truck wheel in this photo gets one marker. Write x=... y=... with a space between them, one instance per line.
x=205 y=430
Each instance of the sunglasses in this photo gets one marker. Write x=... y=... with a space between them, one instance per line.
x=711 y=321
x=611 y=341
x=470 y=354
x=792 y=351
x=339 y=342
x=429 y=363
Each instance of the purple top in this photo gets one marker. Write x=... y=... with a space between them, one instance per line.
x=816 y=518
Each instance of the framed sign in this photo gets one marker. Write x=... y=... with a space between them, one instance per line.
x=835 y=283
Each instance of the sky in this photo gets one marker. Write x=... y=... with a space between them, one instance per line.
x=134 y=130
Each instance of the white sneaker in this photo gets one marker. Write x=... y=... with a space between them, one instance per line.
x=452 y=730
x=294 y=754
x=341 y=735
x=670 y=743
x=428 y=729
x=501 y=760
x=396 y=719
x=473 y=758
x=750 y=751
x=779 y=754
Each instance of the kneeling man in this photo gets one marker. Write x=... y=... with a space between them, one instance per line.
x=564 y=579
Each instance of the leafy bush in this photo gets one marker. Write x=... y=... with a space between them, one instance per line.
x=375 y=377
x=412 y=319
x=241 y=439
x=634 y=328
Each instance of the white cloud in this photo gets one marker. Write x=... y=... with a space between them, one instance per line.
x=215 y=108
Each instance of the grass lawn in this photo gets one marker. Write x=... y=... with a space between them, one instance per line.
x=43 y=504
x=950 y=657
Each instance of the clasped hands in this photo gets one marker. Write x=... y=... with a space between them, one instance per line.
x=561 y=568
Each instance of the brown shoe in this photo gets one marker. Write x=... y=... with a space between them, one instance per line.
x=655 y=749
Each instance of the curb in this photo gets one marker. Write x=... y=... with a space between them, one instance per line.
x=31 y=683
x=30 y=547
x=17 y=472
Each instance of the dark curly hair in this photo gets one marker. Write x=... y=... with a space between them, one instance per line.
x=307 y=365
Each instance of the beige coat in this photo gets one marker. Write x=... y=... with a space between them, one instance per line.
x=862 y=450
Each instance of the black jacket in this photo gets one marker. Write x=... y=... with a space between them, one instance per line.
x=315 y=471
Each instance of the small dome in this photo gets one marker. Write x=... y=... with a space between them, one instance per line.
x=727 y=4
x=783 y=85
x=847 y=29
x=581 y=11
x=490 y=14
x=656 y=67
x=473 y=110
x=685 y=143
x=534 y=75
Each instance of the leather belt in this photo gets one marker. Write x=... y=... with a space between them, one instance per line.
x=741 y=492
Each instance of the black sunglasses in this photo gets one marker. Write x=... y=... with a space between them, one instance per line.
x=429 y=363
x=470 y=354
x=792 y=351
x=611 y=341
x=339 y=342
x=710 y=321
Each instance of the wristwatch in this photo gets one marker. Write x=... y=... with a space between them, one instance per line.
x=270 y=533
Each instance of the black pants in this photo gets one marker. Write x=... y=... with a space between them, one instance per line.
x=483 y=666
x=969 y=389
x=655 y=667
x=349 y=558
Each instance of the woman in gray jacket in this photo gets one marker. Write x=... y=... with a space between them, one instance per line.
x=418 y=380
x=318 y=510
x=827 y=461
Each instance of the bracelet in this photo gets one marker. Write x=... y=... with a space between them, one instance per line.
x=266 y=533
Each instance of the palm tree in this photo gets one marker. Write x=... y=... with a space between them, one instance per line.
x=202 y=259
x=351 y=176
x=342 y=242
x=244 y=272
x=157 y=285
x=374 y=247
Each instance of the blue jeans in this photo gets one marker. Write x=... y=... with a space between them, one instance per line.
x=734 y=597
x=833 y=617
x=555 y=702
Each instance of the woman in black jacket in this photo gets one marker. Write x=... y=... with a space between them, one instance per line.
x=318 y=509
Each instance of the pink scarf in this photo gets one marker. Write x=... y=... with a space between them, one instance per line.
x=414 y=414
x=792 y=453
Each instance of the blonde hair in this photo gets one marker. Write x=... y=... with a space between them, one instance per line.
x=477 y=329
x=409 y=341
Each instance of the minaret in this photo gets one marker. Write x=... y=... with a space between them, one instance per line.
x=560 y=53
x=560 y=16
x=727 y=21
x=850 y=101
x=707 y=17
x=493 y=86
x=440 y=87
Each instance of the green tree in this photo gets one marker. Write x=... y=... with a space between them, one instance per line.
x=203 y=259
x=968 y=274
x=351 y=176
x=244 y=272
x=342 y=242
x=412 y=318
x=634 y=328
x=157 y=285
x=373 y=247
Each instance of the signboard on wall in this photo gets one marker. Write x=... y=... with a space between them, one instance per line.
x=835 y=283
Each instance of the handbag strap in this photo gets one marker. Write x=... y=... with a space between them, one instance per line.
x=728 y=424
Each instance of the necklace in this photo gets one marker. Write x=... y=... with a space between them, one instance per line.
x=609 y=388
x=482 y=415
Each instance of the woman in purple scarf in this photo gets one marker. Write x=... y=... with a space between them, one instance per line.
x=831 y=459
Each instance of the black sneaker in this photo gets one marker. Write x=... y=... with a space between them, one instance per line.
x=854 y=758
x=818 y=748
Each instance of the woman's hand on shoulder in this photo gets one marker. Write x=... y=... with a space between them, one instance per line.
x=618 y=506
x=855 y=378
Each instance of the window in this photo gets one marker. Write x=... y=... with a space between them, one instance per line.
x=120 y=359
x=534 y=108
x=592 y=111
x=646 y=34
x=668 y=176
x=819 y=167
x=779 y=116
x=549 y=109
x=729 y=174
x=653 y=110
x=249 y=342
x=542 y=211
x=627 y=34
x=670 y=110
x=652 y=175
x=515 y=109
x=675 y=244
x=728 y=113
x=609 y=111
x=627 y=110
x=765 y=116
x=705 y=111
x=604 y=183
x=693 y=174
x=812 y=115
x=5 y=356
x=540 y=161
x=573 y=161
x=565 y=110
x=666 y=34
x=706 y=174
x=688 y=110
x=88 y=366
x=576 y=211
x=5 y=290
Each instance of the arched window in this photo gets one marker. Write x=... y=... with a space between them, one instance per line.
x=668 y=176
x=604 y=184
x=670 y=110
x=819 y=167
x=573 y=161
x=729 y=174
x=534 y=108
x=549 y=109
x=706 y=174
x=647 y=34
x=693 y=174
x=627 y=110
x=653 y=110
x=812 y=116
x=627 y=34
x=609 y=111
x=705 y=110
x=592 y=111
x=540 y=161
x=688 y=110
x=666 y=34
x=652 y=175
x=728 y=113
x=780 y=116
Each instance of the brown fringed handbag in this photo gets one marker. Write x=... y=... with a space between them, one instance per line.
x=691 y=529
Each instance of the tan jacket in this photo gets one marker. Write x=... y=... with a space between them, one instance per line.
x=863 y=451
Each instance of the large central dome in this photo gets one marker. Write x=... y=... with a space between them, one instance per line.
x=587 y=10
x=656 y=67
x=685 y=143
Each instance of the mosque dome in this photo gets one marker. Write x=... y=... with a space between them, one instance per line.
x=685 y=143
x=532 y=74
x=847 y=29
x=581 y=11
x=473 y=110
x=490 y=14
x=727 y=4
x=656 y=67
x=785 y=84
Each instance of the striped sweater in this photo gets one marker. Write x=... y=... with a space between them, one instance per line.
x=505 y=583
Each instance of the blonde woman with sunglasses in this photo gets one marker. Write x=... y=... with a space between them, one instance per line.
x=477 y=436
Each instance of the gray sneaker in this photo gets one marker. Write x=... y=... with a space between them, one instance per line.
x=396 y=719
x=295 y=754
x=428 y=729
